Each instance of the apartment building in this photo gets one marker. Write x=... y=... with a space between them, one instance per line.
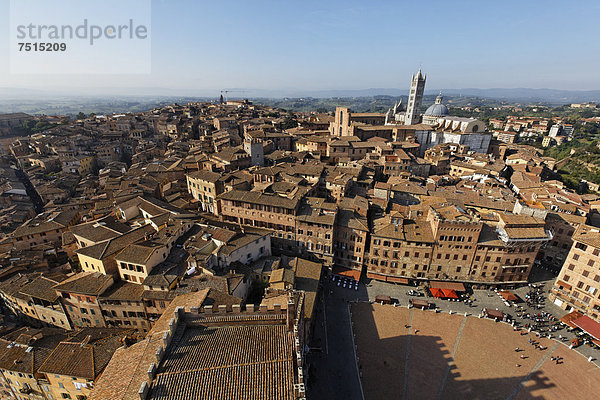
x=400 y=249
x=205 y=186
x=350 y=236
x=455 y=234
x=344 y=119
x=135 y=262
x=578 y=284
x=22 y=352
x=271 y=210
x=396 y=163
x=449 y=244
x=315 y=227
x=100 y=257
x=45 y=229
x=507 y=253
x=77 y=362
x=80 y=295
x=562 y=226
x=123 y=307
x=46 y=303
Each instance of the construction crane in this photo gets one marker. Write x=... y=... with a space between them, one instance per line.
x=232 y=91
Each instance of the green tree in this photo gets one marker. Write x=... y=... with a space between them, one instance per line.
x=290 y=121
x=80 y=115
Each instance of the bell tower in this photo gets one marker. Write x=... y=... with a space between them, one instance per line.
x=417 y=86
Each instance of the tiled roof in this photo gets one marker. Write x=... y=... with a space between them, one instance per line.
x=126 y=371
x=308 y=274
x=206 y=176
x=124 y=291
x=193 y=369
x=34 y=227
x=91 y=283
x=26 y=349
x=260 y=198
x=41 y=288
x=75 y=357
x=112 y=246
x=100 y=230
x=138 y=253
x=588 y=235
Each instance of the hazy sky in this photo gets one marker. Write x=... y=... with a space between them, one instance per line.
x=204 y=46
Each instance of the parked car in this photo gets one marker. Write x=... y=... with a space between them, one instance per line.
x=415 y=293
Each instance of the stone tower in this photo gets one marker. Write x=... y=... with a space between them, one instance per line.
x=254 y=148
x=417 y=86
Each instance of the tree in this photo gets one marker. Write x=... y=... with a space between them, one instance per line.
x=290 y=121
x=80 y=116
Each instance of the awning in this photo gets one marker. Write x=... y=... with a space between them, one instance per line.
x=570 y=317
x=379 y=277
x=588 y=325
x=397 y=280
x=383 y=299
x=493 y=313
x=419 y=303
x=435 y=292
x=564 y=284
x=347 y=273
x=456 y=286
x=508 y=295
x=449 y=293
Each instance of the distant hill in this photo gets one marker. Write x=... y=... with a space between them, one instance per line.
x=552 y=96
x=374 y=99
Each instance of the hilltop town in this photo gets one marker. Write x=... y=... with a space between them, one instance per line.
x=182 y=251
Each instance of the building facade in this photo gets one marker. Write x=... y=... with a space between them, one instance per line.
x=578 y=284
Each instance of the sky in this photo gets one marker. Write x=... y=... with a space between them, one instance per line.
x=201 y=47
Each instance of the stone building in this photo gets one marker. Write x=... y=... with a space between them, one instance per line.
x=315 y=228
x=578 y=284
x=80 y=295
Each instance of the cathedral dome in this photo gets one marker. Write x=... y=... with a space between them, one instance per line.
x=437 y=110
